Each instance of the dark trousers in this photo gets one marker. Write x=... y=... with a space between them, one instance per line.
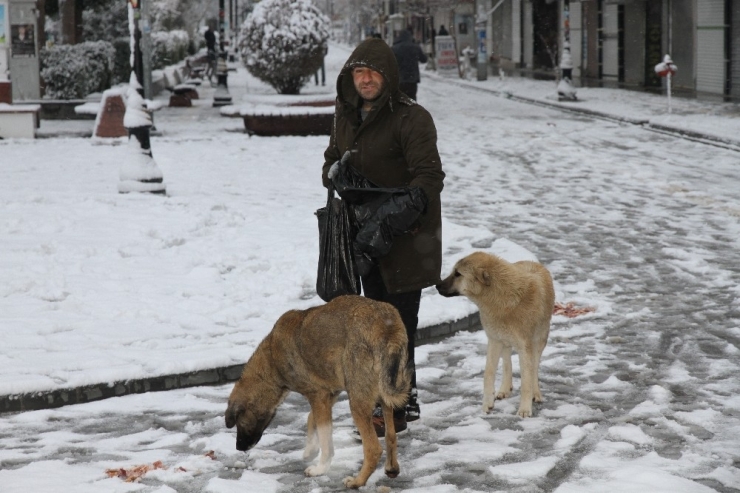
x=407 y=305
x=409 y=89
x=323 y=75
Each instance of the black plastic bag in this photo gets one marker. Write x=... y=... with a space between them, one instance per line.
x=337 y=274
x=380 y=214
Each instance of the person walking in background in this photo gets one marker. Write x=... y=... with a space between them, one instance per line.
x=392 y=142
x=210 y=36
x=322 y=69
x=408 y=55
x=442 y=31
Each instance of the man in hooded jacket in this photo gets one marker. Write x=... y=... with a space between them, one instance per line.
x=392 y=141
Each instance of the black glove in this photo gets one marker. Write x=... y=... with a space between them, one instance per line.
x=398 y=214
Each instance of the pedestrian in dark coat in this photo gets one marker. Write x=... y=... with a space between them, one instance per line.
x=393 y=143
x=210 y=39
x=408 y=55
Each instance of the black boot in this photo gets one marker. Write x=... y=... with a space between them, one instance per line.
x=399 y=421
x=412 y=406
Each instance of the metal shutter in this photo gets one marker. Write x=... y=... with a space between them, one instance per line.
x=576 y=38
x=710 y=46
x=735 y=51
x=610 y=42
x=516 y=31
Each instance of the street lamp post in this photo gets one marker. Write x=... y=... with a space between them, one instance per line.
x=221 y=96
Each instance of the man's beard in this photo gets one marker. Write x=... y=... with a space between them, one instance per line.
x=376 y=97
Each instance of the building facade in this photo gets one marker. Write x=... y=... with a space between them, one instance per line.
x=613 y=43
x=619 y=42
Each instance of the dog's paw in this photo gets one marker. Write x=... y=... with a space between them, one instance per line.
x=525 y=412
x=538 y=397
x=488 y=401
x=392 y=472
x=351 y=482
x=316 y=470
x=503 y=394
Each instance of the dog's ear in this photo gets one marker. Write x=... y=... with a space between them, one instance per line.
x=483 y=276
x=233 y=412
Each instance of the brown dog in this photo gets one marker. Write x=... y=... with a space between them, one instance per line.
x=351 y=343
x=515 y=302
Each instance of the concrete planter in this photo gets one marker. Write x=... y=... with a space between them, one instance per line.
x=276 y=125
x=277 y=115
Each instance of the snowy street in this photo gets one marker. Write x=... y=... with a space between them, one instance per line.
x=641 y=395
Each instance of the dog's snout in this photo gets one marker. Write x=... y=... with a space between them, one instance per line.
x=446 y=289
x=245 y=441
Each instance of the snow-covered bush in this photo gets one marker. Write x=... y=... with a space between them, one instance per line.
x=105 y=21
x=283 y=42
x=74 y=71
x=169 y=47
x=121 y=60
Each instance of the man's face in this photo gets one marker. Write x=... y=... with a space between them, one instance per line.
x=368 y=83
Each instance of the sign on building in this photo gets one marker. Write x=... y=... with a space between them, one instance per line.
x=22 y=41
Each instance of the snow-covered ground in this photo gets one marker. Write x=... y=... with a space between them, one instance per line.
x=99 y=287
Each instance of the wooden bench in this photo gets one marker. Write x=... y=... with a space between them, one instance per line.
x=19 y=121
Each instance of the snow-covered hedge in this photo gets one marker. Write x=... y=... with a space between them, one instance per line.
x=74 y=71
x=169 y=47
x=283 y=43
x=122 y=60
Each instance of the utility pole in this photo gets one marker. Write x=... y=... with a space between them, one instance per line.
x=481 y=22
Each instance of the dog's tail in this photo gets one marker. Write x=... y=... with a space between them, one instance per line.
x=395 y=375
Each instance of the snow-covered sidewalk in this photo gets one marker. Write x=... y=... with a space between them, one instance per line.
x=701 y=118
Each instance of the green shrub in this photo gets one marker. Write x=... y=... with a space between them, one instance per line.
x=74 y=71
x=169 y=47
x=122 y=60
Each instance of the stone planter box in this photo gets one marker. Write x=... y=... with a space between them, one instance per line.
x=286 y=115
x=296 y=124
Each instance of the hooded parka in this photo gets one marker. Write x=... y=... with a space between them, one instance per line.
x=395 y=146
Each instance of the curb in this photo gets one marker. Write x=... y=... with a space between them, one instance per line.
x=703 y=138
x=215 y=376
x=693 y=135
